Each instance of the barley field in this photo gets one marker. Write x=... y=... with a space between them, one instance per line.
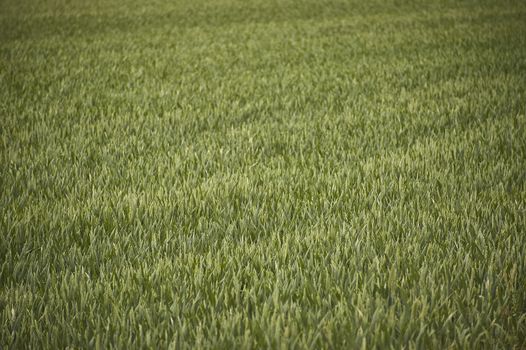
x=280 y=174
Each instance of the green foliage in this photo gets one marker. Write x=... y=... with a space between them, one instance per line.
x=262 y=174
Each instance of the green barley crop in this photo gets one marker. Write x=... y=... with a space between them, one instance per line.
x=262 y=174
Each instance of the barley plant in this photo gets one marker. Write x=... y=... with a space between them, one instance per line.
x=284 y=174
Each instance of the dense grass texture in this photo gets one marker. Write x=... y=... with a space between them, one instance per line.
x=262 y=174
